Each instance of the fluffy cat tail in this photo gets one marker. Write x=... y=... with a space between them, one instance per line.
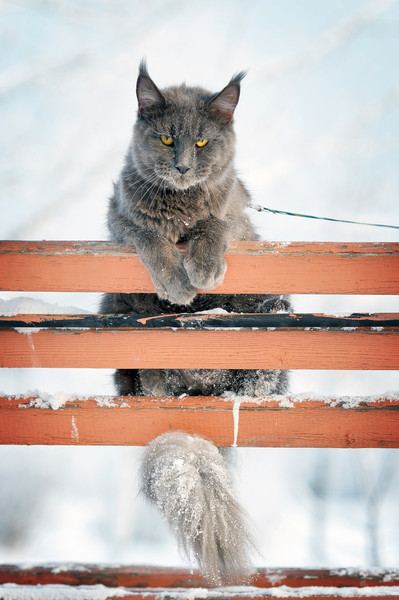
x=188 y=480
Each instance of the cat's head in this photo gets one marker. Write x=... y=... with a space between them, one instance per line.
x=184 y=135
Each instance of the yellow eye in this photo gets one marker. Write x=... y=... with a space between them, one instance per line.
x=202 y=143
x=168 y=141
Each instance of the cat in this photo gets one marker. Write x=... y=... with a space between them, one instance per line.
x=179 y=185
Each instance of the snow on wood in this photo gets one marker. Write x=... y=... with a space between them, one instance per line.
x=130 y=576
x=276 y=421
x=100 y=592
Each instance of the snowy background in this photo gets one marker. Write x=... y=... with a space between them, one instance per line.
x=318 y=132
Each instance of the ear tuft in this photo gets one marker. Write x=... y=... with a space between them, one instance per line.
x=223 y=104
x=143 y=68
x=149 y=97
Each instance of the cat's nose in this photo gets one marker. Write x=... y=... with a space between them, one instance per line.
x=182 y=169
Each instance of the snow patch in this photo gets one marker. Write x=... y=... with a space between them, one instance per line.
x=275 y=579
x=108 y=402
x=62 y=568
x=214 y=311
x=54 y=401
x=290 y=400
x=40 y=399
x=282 y=245
x=25 y=305
x=11 y=591
x=286 y=402
x=386 y=574
x=28 y=330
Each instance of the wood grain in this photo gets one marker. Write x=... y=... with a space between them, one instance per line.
x=189 y=349
x=187 y=341
x=168 y=577
x=263 y=423
x=237 y=593
x=253 y=267
x=387 y=321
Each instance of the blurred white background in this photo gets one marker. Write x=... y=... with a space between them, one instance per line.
x=318 y=132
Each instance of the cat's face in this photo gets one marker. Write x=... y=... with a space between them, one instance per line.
x=183 y=136
x=181 y=146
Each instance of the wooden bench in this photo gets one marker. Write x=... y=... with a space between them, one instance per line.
x=276 y=341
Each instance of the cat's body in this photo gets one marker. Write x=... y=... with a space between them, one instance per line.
x=175 y=191
x=184 y=193
x=179 y=184
x=205 y=382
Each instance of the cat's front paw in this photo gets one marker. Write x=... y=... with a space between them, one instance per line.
x=177 y=290
x=205 y=275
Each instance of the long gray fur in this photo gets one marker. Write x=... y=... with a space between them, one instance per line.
x=154 y=206
x=188 y=480
x=183 y=193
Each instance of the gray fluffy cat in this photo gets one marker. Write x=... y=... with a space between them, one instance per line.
x=179 y=184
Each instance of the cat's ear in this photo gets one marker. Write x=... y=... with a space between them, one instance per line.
x=222 y=105
x=149 y=96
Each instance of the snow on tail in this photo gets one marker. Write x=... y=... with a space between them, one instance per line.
x=188 y=480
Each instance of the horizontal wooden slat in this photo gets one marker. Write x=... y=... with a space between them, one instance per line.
x=167 y=577
x=208 y=321
x=289 y=348
x=268 y=422
x=253 y=267
x=54 y=592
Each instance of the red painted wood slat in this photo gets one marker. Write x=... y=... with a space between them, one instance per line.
x=189 y=349
x=168 y=577
x=253 y=267
x=286 y=422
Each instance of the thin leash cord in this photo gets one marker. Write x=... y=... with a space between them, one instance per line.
x=260 y=208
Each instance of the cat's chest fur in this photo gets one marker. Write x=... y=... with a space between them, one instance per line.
x=172 y=214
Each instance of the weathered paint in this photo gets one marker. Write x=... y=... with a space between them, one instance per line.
x=190 y=349
x=253 y=267
x=262 y=423
x=169 y=577
x=208 y=321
